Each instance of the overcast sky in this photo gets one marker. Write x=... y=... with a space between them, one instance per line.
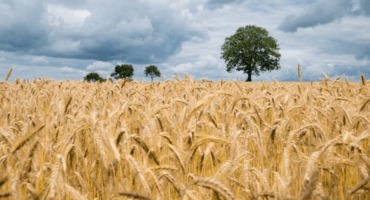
x=64 y=40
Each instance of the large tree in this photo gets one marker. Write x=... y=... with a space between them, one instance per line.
x=123 y=71
x=152 y=71
x=251 y=50
x=93 y=77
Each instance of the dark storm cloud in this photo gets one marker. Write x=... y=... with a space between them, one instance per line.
x=364 y=7
x=337 y=28
x=22 y=25
x=360 y=49
x=352 y=70
x=323 y=12
x=149 y=38
x=22 y=38
x=111 y=30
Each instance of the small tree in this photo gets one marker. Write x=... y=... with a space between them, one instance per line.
x=251 y=50
x=152 y=71
x=93 y=77
x=123 y=71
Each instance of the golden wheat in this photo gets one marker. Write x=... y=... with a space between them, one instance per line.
x=184 y=139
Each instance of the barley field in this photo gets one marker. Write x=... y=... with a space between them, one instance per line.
x=184 y=139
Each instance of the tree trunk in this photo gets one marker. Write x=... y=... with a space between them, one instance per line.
x=249 y=75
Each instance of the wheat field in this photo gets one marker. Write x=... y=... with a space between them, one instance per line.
x=184 y=139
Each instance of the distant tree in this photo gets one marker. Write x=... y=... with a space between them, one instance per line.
x=123 y=71
x=152 y=71
x=93 y=77
x=251 y=50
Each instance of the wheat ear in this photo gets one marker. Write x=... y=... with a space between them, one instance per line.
x=3 y=180
x=309 y=186
x=23 y=140
x=134 y=195
x=214 y=185
x=299 y=72
x=170 y=179
x=119 y=137
x=5 y=195
x=53 y=181
x=173 y=149
x=8 y=74
x=74 y=193
x=28 y=165
x=144 y=146
x=364 y=105
x=363 y=79
x=136 y=167
x=203 y=141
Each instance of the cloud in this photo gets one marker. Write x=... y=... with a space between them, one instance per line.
x=111 y=30
x=22 y=27
x=66 y=17
x=100 y=65
x=213 y=4
x=204 y=67
x=343 y=37
x=324 y=12
x=365 y=7
x=327 y=34
x=40 y=60
x=321 y=12
x=68 y=69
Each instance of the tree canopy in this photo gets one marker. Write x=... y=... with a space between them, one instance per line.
x=123 y=71
x=93 y=77
x=251 y=50
x=152 y=71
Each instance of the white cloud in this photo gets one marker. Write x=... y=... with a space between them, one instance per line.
x=40 y=60
x=68 y=69
x=67 y=17
x=182 y=68
x=100 y=65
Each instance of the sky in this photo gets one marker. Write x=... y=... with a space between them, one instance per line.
x=66 y=39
